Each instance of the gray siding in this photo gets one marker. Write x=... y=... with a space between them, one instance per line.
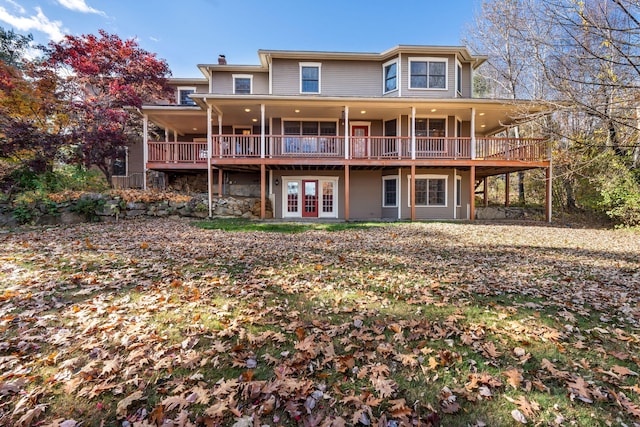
x=366 y=194
x=223 y=82
x=337 y=78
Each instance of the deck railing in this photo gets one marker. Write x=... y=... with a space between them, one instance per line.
x=333 y=147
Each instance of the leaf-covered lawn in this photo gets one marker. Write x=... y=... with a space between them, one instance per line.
x=160 y=322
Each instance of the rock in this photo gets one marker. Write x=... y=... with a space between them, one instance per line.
x=67 y=217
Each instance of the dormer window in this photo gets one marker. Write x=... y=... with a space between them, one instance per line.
x=242 y=84
x=390 y=76
x=310 y=77
x=428 y=73
x=183 y=95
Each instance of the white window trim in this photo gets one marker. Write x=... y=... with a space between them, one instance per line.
x=458 y=79
x=446 y=190
x=180 y=89
x=243 y=76
x=126 y=163
x=387 y=178
x=318 y=65
x=428 y=118
x=431 y=59
x=321 y=179
x=384 y=83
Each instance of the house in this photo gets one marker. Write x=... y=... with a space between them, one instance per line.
x=391 y=135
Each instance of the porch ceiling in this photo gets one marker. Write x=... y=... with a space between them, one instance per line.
x=491 y=115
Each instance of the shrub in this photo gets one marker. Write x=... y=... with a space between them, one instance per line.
x=88 y=207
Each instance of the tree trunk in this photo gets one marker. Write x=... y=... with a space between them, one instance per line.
x=571 y=198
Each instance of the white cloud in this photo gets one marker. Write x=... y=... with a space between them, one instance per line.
x=80 y=6
x=39 y=22
x=17 y=6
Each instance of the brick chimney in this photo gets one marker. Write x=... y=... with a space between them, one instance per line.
x=222 y=60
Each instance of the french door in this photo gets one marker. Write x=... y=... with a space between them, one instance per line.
x=359 y=139
x=309 y=198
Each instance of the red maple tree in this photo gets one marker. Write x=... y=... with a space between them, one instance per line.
x=105 y=79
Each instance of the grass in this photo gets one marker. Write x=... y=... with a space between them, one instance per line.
x=432 y=310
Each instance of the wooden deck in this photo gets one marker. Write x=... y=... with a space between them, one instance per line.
x=337 y=150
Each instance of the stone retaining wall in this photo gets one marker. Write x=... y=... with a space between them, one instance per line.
x=501 y=212
x=106 y=208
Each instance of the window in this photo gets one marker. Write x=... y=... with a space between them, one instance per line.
x=458 y=78
x=327 y=197
x=309 y=78
x=293 y=191
x=242 y=84
x=292 y=144
x=458 y=191
x=120 y=162
x=389 y=191
x=390 y=76
x=183 y=95
x=310 y=128
x=431 y=190
x=429 y=73
x=430 y=127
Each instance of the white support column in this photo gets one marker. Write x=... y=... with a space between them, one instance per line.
x=145 y=149
x=263 y=139
x=413 y=133
x=220 y=133
x=473 y=134
x=166 y=134
x=175 y=136
x=209 y=153
x=346 y=132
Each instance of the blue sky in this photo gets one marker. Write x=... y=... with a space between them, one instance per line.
x=190 y=32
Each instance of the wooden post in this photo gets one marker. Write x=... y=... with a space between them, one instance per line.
x=220 y=178
x=507 y=185
x=263 y=189
x=413 y=192
x=472 y=185
x=347 y=184
x=548 y=195
x=485 y=191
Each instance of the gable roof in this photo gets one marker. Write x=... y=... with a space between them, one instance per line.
x=266 y=56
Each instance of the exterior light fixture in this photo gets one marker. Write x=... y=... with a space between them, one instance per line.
x=248 y=110
x=433 y=110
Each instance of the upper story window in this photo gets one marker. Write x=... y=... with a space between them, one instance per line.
x=183 y=95
x=242 y=84
x=428 y=73
x=310 y=77
x=390 y=76
x=458 y=79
